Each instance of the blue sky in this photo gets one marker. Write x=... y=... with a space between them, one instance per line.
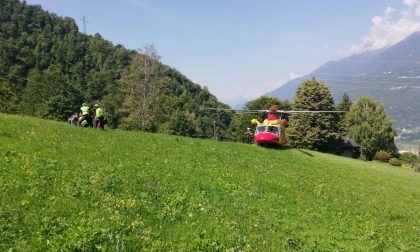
x=241 y=49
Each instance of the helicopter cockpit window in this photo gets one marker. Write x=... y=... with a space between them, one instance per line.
x=273 y=130
x=260 y=129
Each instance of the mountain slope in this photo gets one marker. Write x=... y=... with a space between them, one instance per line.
x=48 y=69
x=391 y=75
x=80 y=189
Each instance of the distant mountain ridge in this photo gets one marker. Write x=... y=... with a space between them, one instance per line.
x=391 y=75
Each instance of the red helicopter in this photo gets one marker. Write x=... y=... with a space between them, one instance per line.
x=272 y=131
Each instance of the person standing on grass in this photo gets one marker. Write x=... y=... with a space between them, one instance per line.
x=248 y=135
x=99 y=116
x=85 y=114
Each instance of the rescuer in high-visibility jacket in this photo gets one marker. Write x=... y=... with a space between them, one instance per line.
x=99 y=116
x=85 y=115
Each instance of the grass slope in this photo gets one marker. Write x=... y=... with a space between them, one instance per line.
x=63 y=187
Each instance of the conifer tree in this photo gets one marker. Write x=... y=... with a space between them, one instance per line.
x=313 y=130
x=344 y=105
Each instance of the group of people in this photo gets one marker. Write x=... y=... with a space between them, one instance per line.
x=89 y=118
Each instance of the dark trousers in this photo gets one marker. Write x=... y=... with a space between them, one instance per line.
x=100 y=120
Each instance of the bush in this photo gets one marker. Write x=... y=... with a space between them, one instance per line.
x=416 y=167
x=395 y=162
x=409 y=158
x=382 y=156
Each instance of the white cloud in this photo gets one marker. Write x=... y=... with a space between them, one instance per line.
x=410 y=3
x=387 y=31
x=414 y=4
x=389 y=10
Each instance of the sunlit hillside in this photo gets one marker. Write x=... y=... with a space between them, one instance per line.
x=63 y=187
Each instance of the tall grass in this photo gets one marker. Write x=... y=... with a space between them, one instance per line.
x=63 y=187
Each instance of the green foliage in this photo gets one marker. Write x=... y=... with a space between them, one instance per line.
x=181 y=124
x=370 y=127
x=49 y=95
x=48 y=68
x=140 y=91
x=382 y=156
x=409 y=158
x=344 y=105
x=395 y=162
x=69 y=188
x=8 y=99
x=265 y=102
x=313 y=130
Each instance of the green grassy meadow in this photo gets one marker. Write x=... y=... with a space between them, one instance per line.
x=68 y=188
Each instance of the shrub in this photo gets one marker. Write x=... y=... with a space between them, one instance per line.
x=409 y=158
x=416 y=167
x=395 y=162
x=382 y=156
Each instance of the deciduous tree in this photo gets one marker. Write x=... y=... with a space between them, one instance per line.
x=139 y=83
x=370 y=127
x=313 y=130
x=181 y=124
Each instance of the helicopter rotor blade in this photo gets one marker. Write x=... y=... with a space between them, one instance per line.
x=240 y=111
x=250 y=112
x=257 y=111
x=308 y=111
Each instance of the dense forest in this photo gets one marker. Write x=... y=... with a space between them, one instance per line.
x=48 y=69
